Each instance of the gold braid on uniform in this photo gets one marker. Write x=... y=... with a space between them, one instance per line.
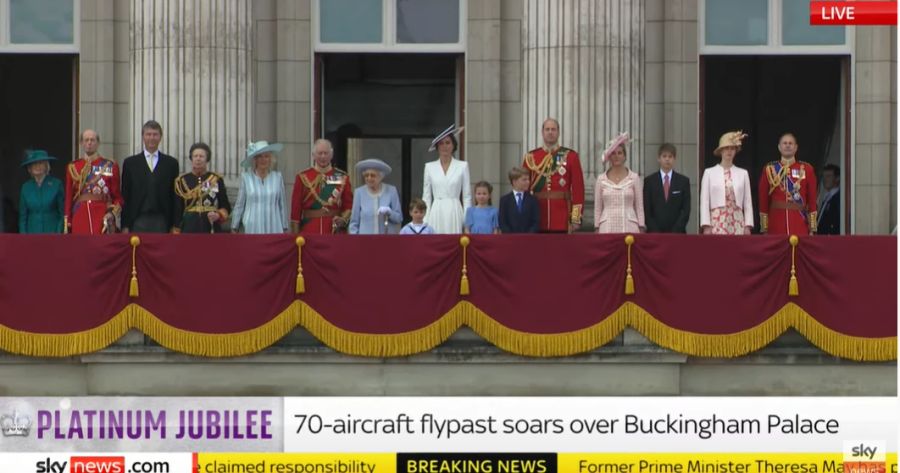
x=193 y=196
x=576 y=214
x=813 y=222
x=540 y=170
x=311 y=186
x=775 y=179
x=79 y=177
x=763 y=222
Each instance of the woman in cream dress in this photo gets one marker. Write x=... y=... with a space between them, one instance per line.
x=726 y=204
x=618 y=193
x=446 y=189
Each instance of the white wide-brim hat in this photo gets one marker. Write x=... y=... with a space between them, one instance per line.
x=451 y=130
x=255 y=149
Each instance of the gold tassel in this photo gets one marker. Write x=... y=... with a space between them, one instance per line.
x=629 y=280
x=793 y=286
x=301 y=283
x=133 y=287
x=464 y=282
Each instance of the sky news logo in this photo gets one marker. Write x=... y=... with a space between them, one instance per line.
x=82 y=465
x=865 y=456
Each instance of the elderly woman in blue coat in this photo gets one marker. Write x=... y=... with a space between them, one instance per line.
x=42 y=198
x=376 y=205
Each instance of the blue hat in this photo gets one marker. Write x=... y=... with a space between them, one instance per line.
x=375 y=164
x=36 y=156
x=258 y=148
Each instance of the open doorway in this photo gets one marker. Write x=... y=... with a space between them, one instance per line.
x=37 y=109
x=769 y=95
x=390 y=107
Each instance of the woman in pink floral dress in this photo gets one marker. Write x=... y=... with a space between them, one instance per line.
x=618 y=193
x=726 y=203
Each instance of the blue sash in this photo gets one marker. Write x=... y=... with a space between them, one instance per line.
x=793 y=190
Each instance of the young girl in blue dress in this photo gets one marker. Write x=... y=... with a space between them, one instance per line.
x=482 y=218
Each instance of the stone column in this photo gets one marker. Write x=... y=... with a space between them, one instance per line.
x=873 y=182
x=191 y=71
x=582 y=63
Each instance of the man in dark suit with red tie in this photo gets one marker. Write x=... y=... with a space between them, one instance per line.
x=148 y=186
x=519 y=212
x=667 y=195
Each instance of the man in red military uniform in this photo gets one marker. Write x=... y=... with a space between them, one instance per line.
x=787 y=193
x=93 y=200
x=323 y=197
x=556 y=181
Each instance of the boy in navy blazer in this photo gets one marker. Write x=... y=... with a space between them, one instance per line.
x=667 y=196
x=519 y=209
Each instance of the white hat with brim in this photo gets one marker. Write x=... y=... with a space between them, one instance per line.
x=732 y=139
x=451 y=130
x=258 y=148
x=375 y=164
x=613 y=144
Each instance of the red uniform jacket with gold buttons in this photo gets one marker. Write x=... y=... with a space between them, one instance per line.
x=787 y=198
x=558 y=183
x=319 y=197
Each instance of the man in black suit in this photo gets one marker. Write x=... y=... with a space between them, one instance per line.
x=667 y=195
x=148 y=185
x=519 y=211
x=830 y=206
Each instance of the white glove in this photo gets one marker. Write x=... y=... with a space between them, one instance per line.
x=384 y=210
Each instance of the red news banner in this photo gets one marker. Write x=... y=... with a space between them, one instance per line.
x=853 y=13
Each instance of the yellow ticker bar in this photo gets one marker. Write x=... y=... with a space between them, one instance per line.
x=719 y=463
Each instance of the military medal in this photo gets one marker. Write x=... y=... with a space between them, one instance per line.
x=795 y=173
x=562 y=171
x=562 y=182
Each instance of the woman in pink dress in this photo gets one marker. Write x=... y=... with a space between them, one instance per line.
x=618 y=193
x=726 y=204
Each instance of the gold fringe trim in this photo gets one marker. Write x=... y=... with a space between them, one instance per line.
x=426 y=338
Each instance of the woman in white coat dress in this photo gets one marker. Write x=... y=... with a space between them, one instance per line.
x=446 y=189
x=726 y=204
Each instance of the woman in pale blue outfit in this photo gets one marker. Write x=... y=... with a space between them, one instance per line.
x=260 y=205
x=376 y=205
